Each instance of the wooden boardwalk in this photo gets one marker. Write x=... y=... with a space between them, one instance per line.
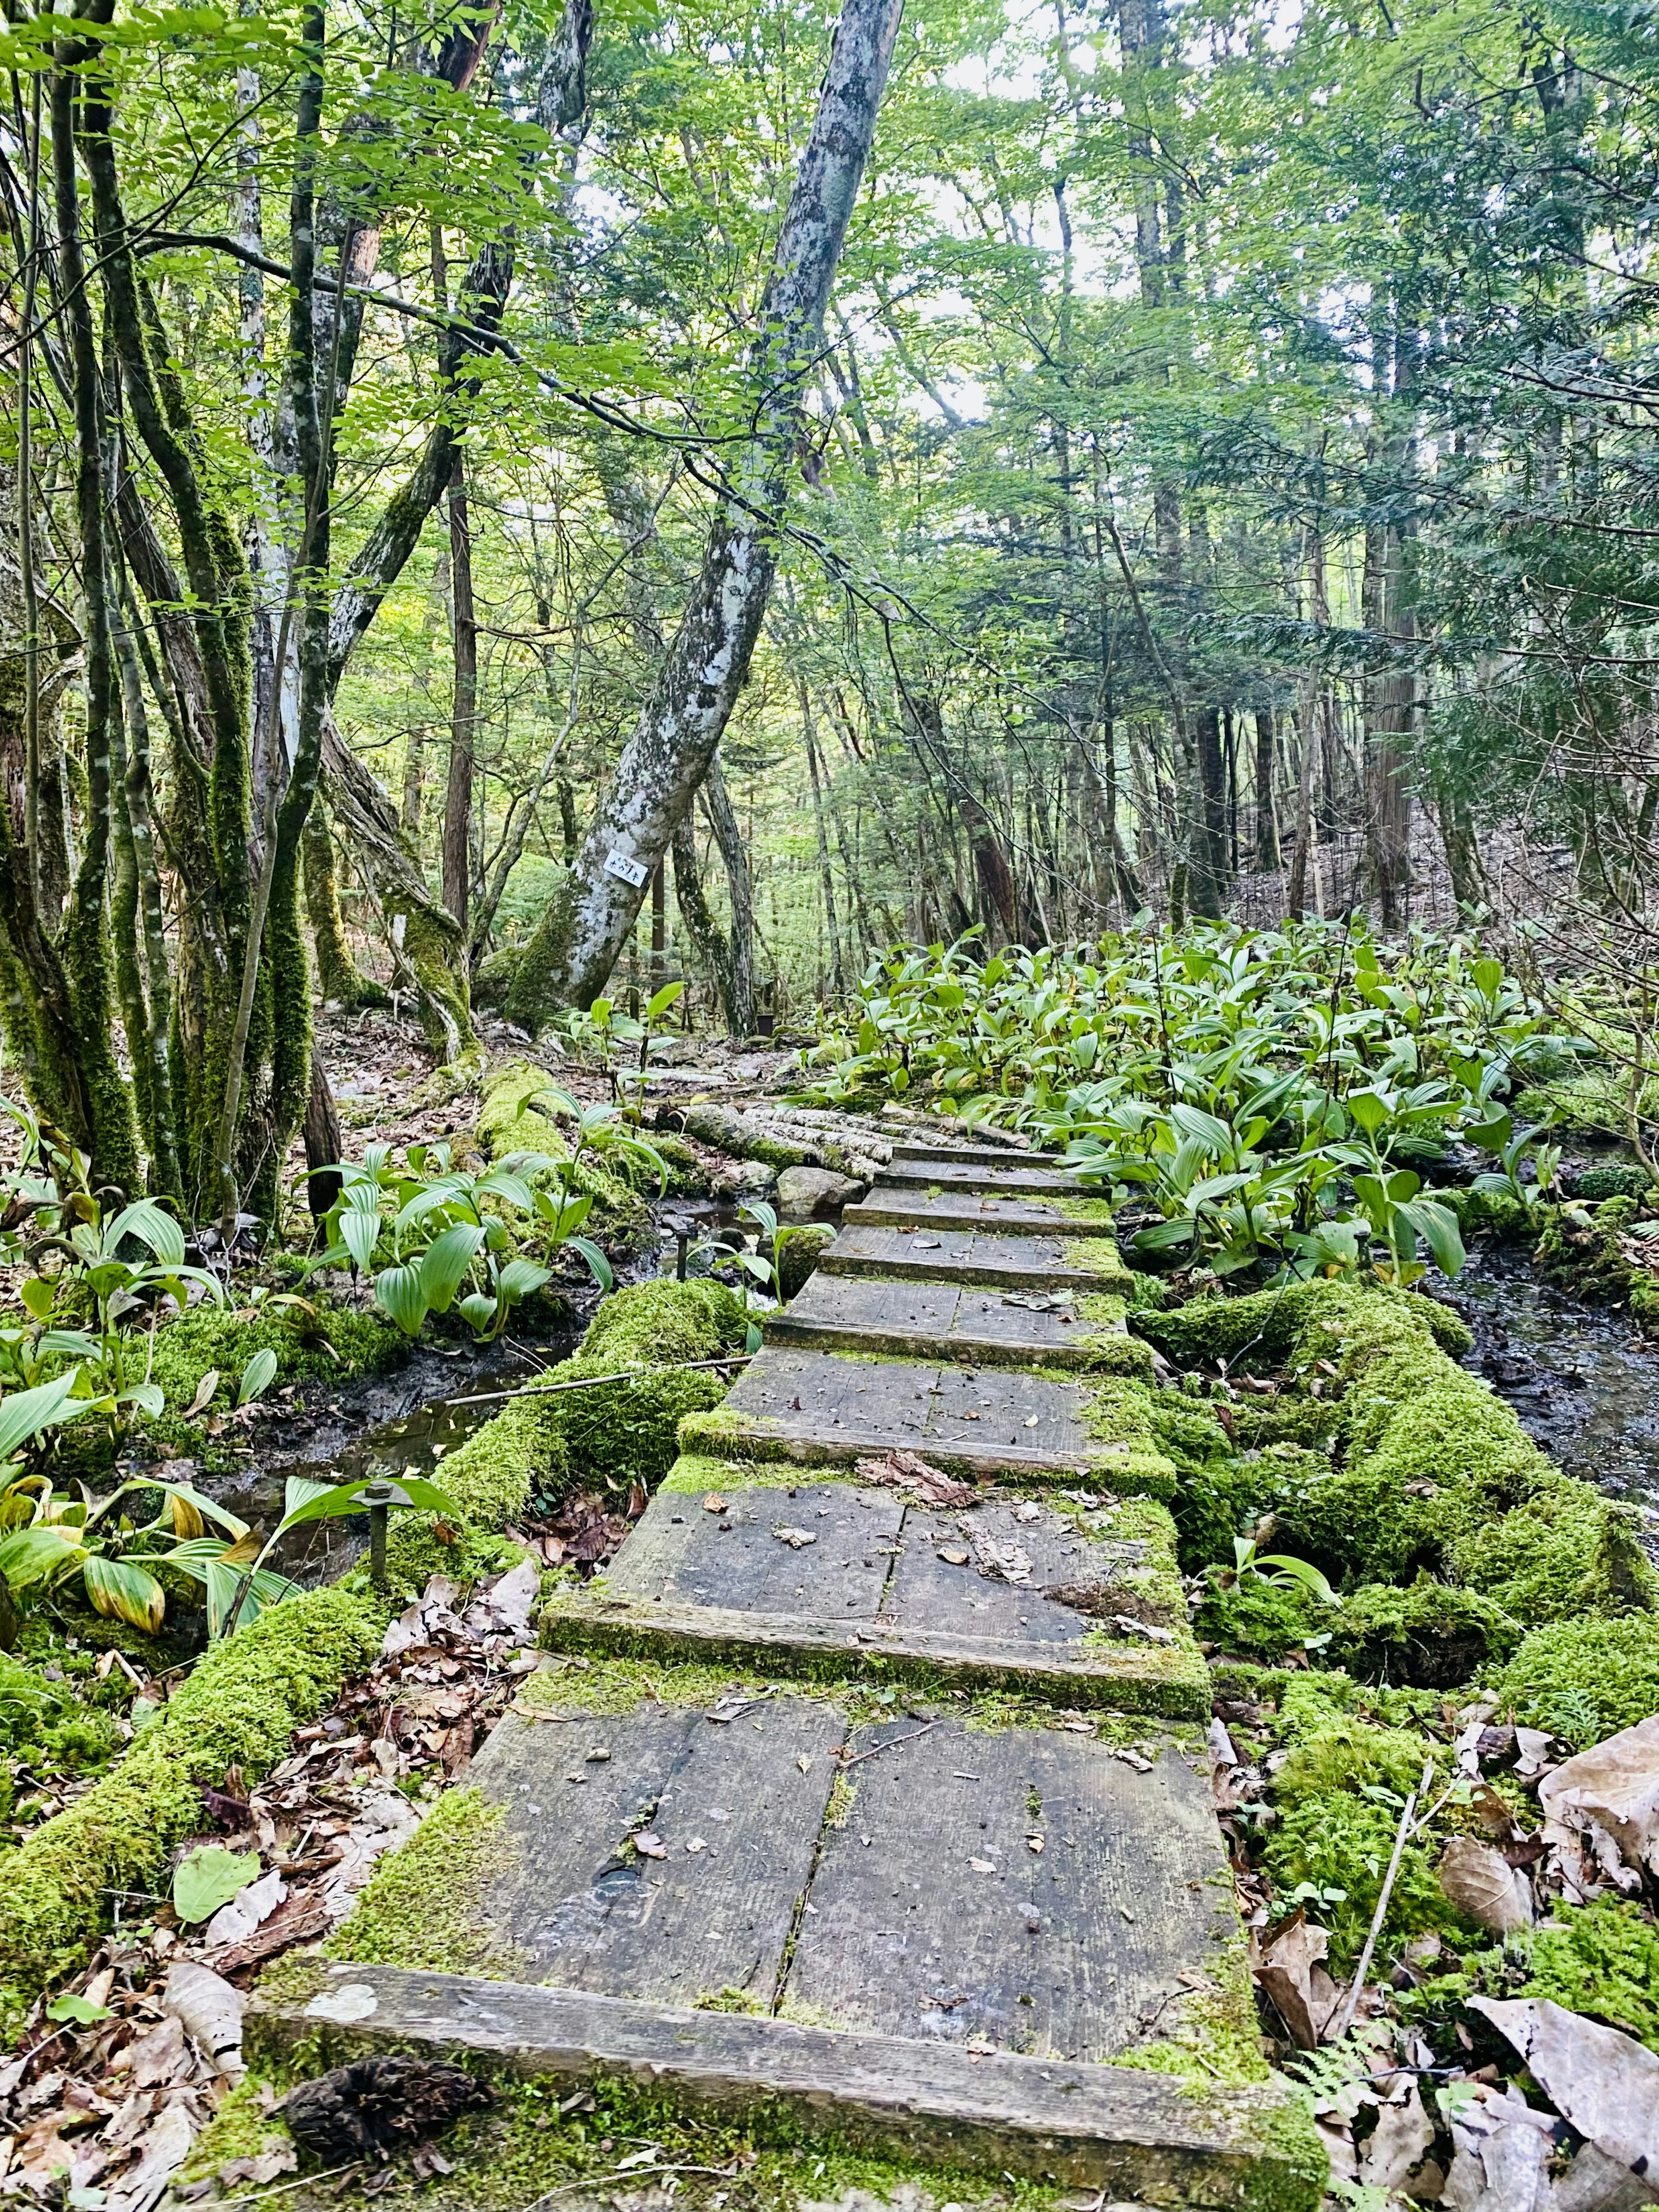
x=943 y=1846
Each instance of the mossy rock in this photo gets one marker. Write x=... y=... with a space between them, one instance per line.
x=1585 y=1680
x=802 y=1249
x=1496 y=1213
x=1428 y=1634
x=339 y=1342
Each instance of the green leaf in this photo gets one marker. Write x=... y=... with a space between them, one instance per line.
x=360 y=1233
x=210 y=1876
x=81 y=2010
x=148 y=1397
x=258 y=1375
x=301 y=1489
x=26 y=1413
x=444 y=1264
x=520 y=1278
x=38 y=1296
x=398 y=1292
x=344 y=1498
x=123 y=1590
x=147 y=1222
x=1438 y=1225
x=662 y=1000
x=1370 y=1111
x=477 y=1311
x=35 y=1554
x=597 y=1266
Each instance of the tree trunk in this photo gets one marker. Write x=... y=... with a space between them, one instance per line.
x=714 y=952
x=577 y=941
x=1267 y=819
x=734 y=857
x=339 y=982
x=826 y=873
x=463 y=722
x=1207 y=870
x=85 y=939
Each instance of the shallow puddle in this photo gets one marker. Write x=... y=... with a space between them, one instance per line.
x=1582 y=1379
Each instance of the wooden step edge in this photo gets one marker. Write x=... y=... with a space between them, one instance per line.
x=974 y=1156
x=726 y=1433
x=1129 y=2134
x=885 y=1210
x=1167 y=1681
x=1100 y=1351
x=1115 y=1281
x=921 y=1174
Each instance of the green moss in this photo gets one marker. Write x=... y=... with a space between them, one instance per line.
x=1098 y=1256
x=423 y=1905
x=239 y=1707
x=1598 y=1183
x=1585 y=1680
x=1083 y=1209
x=241 y=2128
x=1601 y=1959
x=1119 y=1413
x=1215 y=2038
x=511 y=1121
x=1253 y=1619
x=333 y=1342
x=1499 y=1213
x=1426 y=1634
x=1267 y=1329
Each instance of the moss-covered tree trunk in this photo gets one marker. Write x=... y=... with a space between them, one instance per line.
x=86 y=942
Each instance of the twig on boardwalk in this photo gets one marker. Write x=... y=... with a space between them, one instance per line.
x=892 y=1744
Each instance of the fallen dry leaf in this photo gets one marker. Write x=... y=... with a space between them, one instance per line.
x=1481 y=1882
x=1603 y=2083
x=1291 y=1972
x=1615 y=1786
x=904 y=1470
x=211 y=2011
x=650 y=1846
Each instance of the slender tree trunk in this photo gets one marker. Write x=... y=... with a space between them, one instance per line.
x=463 y=722
x=577 y=941
x=734 y=857
x=339 y=982
x=1267 y=820
x=160 y=1128
x=1207 y=875
x=826 y=873
x=713 y=951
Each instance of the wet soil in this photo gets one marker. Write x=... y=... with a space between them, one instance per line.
x=1582 y=1379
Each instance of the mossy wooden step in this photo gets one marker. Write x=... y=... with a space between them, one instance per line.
x=1077 y=1600
x=1126 y=2134
x=894 y=1206
x=1007 y=1178
x=945 y=1320
x=823 y=1406
x=995 y=1258
x=980 y=1156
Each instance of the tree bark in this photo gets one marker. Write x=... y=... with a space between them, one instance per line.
x=1266 y=818
x=739 y=994
x=463 y=722
x=86 y=942
x=576 y=943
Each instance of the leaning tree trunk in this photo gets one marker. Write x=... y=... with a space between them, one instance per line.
x=570 y=958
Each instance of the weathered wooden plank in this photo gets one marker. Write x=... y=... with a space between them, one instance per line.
x=937 y=1916
x=819 y=1405
x=892 y=1206
x=979 y=1156
x=938 y=1581
x=940 y=1171
x=581 y=1908
x=1172 y=1684
x=1129 y=2134
x=918 y=1253
x=828 y=1550
x=945 y=1320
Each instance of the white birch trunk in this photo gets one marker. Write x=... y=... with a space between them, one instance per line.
x=570 y=958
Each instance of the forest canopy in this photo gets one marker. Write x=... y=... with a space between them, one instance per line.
x=498 y=496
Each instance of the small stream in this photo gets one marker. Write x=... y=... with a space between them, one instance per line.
x=1582 y=1379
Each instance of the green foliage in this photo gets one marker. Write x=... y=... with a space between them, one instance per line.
x=1603 y=1959
x=1267 y=1090
x=1427 y=1634
x=1585 y=1679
